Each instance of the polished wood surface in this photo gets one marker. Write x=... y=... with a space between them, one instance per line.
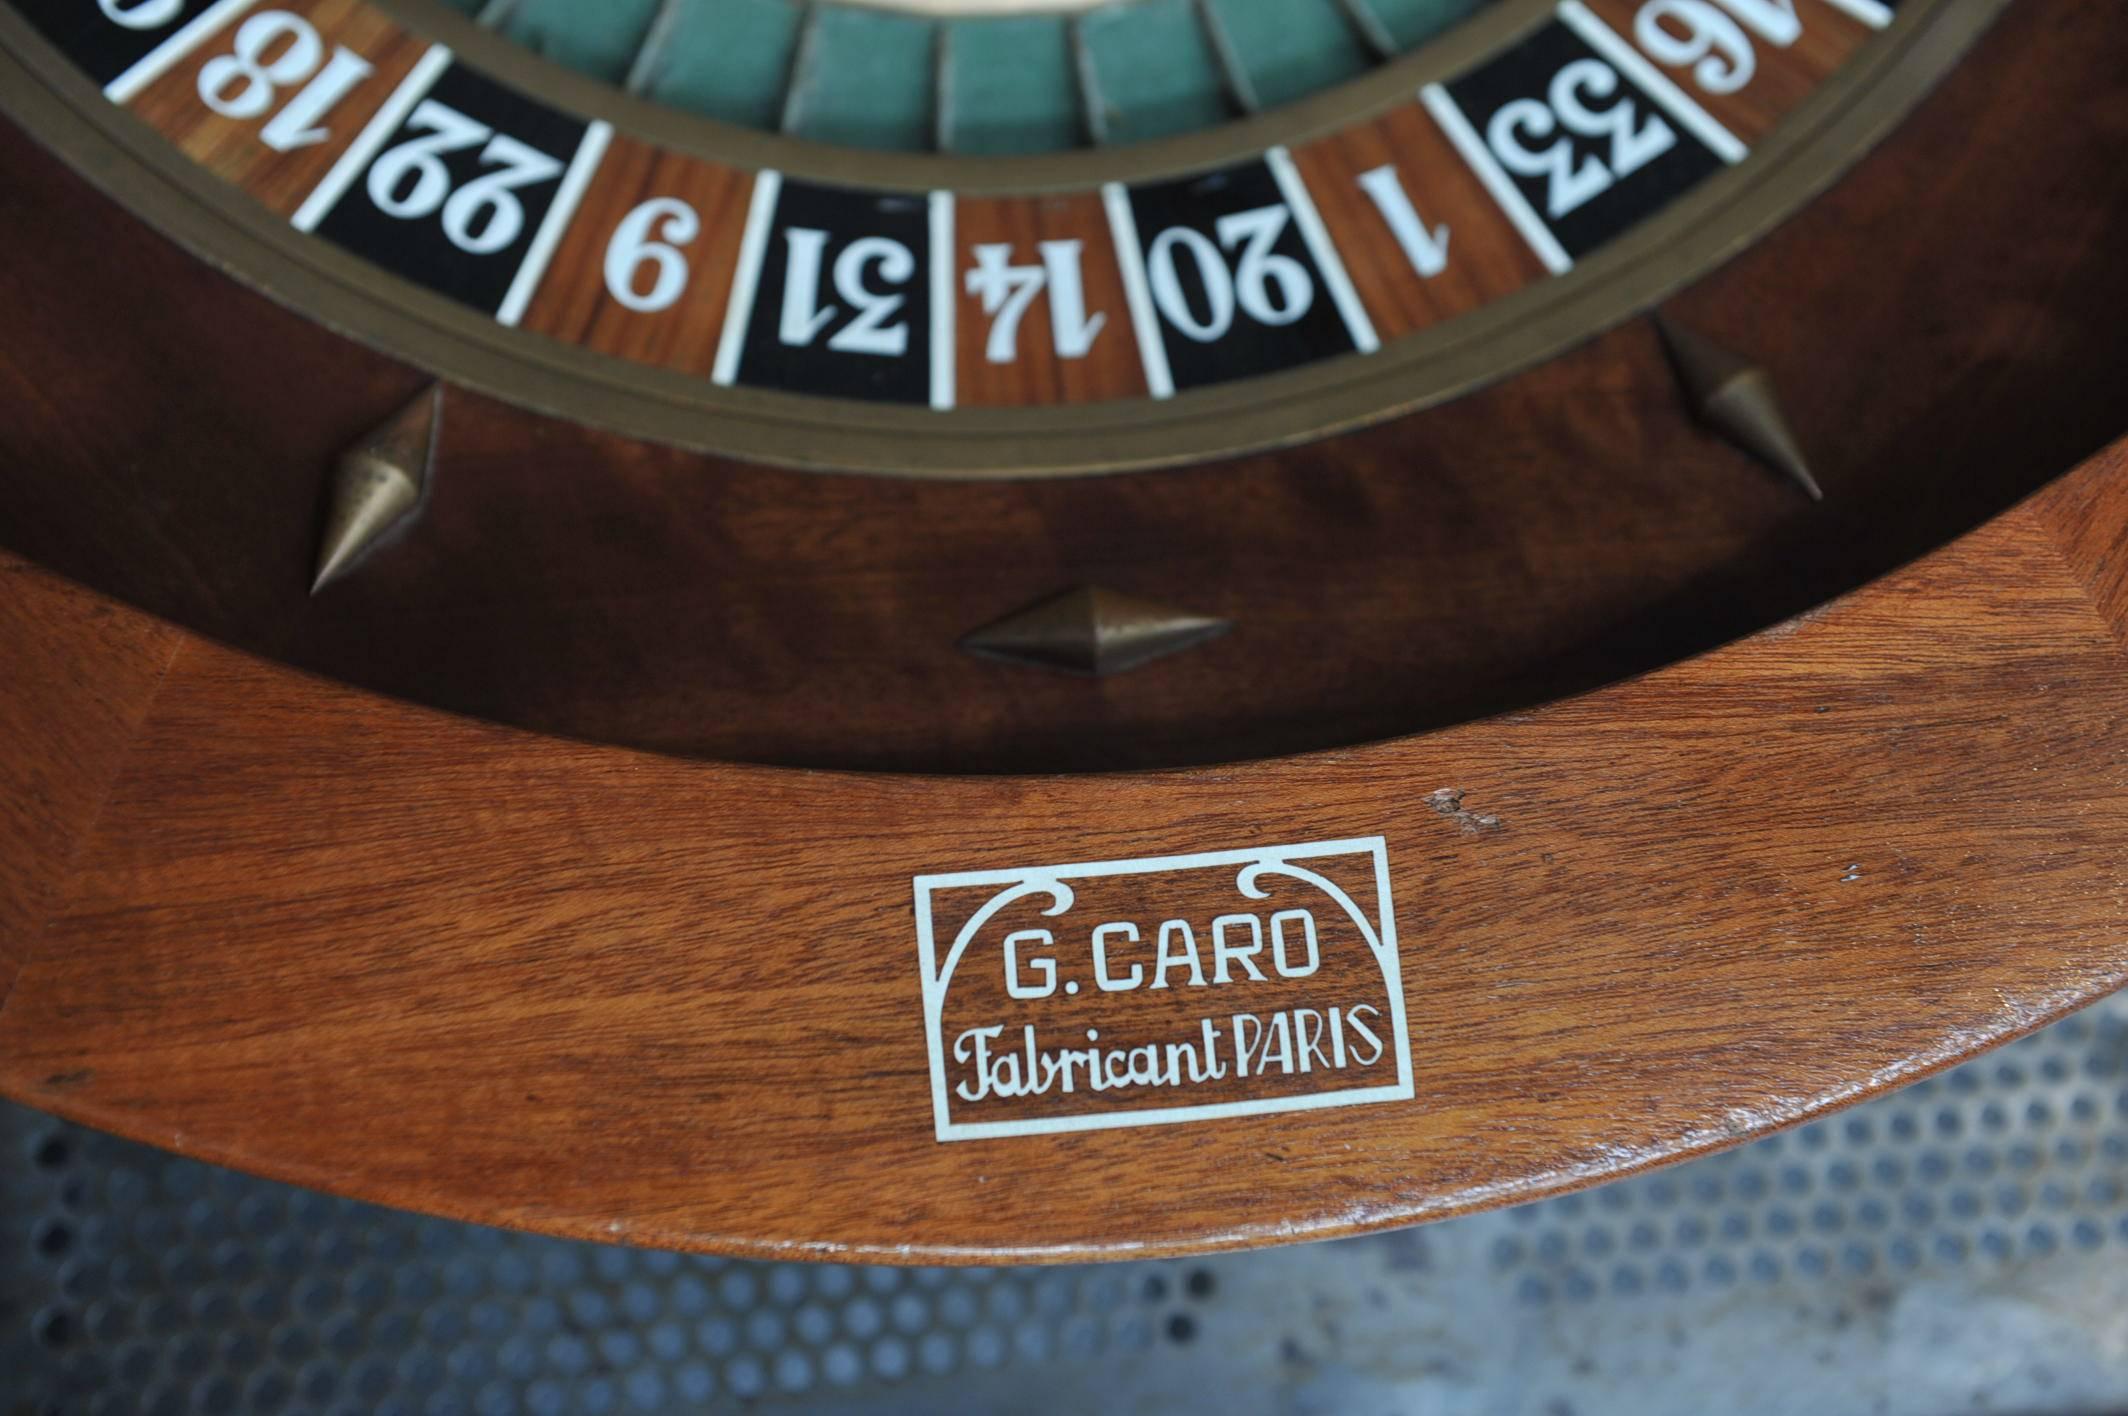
x=483 y=955
x=1492 y=260
x=373 y=948
x=682 y=336
x=1930 y=335
x=1109 y=369
x=229 y=147
x=79 y=675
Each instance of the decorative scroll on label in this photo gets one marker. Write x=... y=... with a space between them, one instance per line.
x=1161 y=990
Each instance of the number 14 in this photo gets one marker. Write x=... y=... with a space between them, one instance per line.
x=1006 y=290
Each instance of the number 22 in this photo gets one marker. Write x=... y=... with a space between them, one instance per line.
x=483 y=216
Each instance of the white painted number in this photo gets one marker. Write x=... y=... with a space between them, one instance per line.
x=484 y=215
x=1707 y=35
x=1427 y=250
x=1775 y=19
x=1211 y=270
x=651 y=236
x=1006 y=290
x=1270 y=288
x=422 y=159
x=245 y=82
x=145 y=15
x=1573 y=183
x=803 y=315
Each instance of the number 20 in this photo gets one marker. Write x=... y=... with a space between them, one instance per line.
x=1573 y=184
x=1259 y=272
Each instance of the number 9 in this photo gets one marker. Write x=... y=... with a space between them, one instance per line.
x=1713 y=43
x=651 y=235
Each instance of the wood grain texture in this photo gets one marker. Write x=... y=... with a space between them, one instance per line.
x=1487 y=258
x=366 y=947
x=1555 y=532
x=231 y=147
x=2094 y=527
x=1109 y=369
x=78 y=677
x=574 y=304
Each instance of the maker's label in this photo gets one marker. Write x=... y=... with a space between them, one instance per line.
x=1166 y=989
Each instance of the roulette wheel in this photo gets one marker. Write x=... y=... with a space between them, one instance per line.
x=1039 y=635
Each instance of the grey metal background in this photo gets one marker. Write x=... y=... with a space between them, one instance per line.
x=1961 y=1246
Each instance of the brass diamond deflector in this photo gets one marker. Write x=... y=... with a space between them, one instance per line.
x=378 y=485
x=1094 y=632
x=1735 y=398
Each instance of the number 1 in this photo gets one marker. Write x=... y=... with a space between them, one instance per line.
x=1427 y=250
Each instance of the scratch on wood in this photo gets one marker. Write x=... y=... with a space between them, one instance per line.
x=1448 y=802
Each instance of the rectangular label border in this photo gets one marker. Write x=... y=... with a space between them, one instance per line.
x=946 y=1129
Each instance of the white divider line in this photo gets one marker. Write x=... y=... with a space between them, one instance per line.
x=1873 y=13
x=166 y=56
x=326 y=195
x=943 y=261
x=582 y=168
x=753 y=245
x=1130 y=258
x=1323 y=249
x=1652 y=81
x=1471 y=148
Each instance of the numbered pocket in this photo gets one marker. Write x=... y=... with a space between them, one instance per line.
x=1233 y=284
x=450 y=185
x=841 y=299
x=1581 y=142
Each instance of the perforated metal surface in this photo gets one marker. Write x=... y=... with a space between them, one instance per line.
x=1959 y=1246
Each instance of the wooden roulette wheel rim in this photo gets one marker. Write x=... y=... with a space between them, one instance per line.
x=528 y=972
